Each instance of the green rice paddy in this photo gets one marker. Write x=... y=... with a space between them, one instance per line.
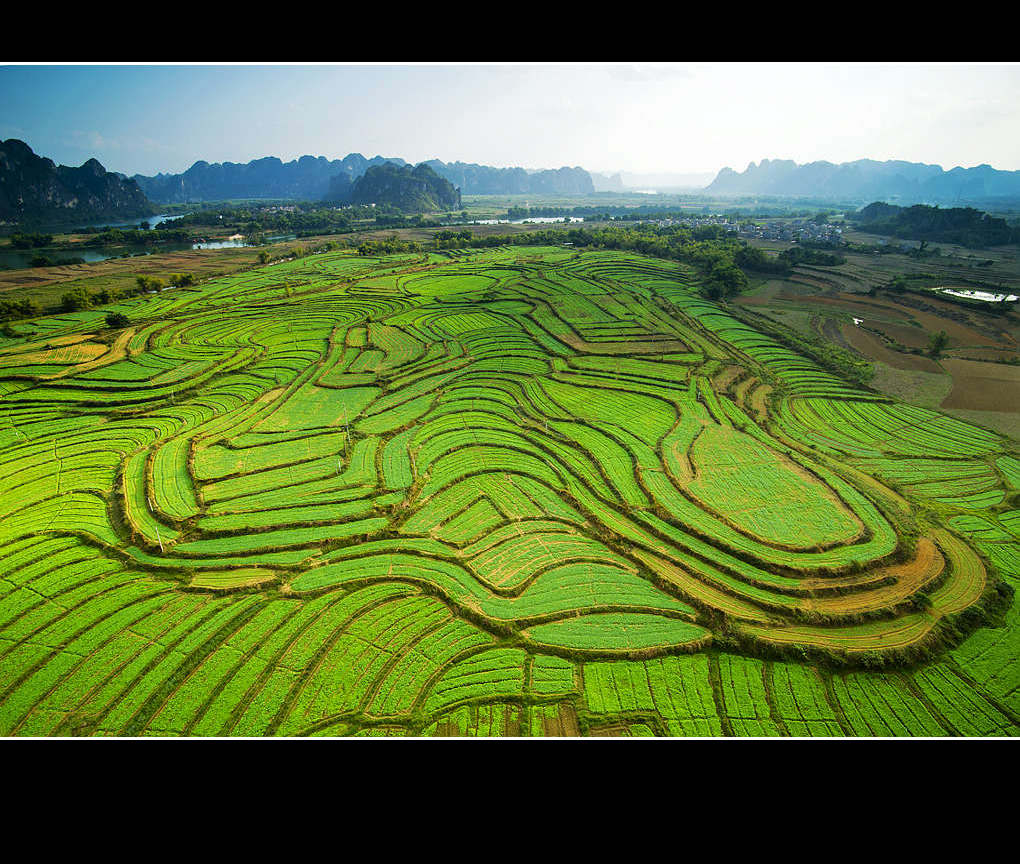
x=512 y=492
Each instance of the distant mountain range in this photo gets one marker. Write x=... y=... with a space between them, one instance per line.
x=474 y=179
x=317 y=178
x=624 y=181
x=306 y=179
x=868 y=180
x=36 y=191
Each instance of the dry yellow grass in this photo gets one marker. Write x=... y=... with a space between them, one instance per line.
x=78 y=354
x=926 y=565
x=110 y=354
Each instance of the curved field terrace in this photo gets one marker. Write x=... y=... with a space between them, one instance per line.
x=520 y=491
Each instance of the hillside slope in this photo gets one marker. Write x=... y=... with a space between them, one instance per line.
x=35 y=191
x=417 y=189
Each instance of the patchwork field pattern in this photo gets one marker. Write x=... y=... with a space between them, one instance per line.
x=503 y=492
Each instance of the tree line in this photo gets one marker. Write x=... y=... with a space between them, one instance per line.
x=79 y=297
x=964 y=226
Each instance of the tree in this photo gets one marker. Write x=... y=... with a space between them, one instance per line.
x=724 y=279
x=76 y=300
x=116 y=320
x=936 y=342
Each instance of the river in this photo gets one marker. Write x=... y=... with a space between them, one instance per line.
x=21 y=259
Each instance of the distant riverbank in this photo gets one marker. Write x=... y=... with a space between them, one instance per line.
x=77 y=253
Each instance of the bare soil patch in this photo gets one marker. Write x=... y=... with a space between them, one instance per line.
x=912 y=337
x=982 y=386
x=872 y=347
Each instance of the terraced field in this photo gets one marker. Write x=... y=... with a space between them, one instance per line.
x=520 y=491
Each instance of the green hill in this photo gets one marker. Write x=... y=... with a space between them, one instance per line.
x=417 y=190
x=34 y=191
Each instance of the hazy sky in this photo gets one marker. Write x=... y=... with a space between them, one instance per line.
x=640 y=118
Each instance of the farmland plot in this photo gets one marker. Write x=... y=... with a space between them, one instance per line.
x=504 y=493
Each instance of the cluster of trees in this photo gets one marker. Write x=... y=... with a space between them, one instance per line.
x=802 y=254
x=757 y=260
x=452 y=239
x=391 y=246
x=147 y=284
x=77 y=299
x=30 y=241
x=302 y=219
x=138 y=237
x=11 y=310
x=46 y=261
x=962 y=225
